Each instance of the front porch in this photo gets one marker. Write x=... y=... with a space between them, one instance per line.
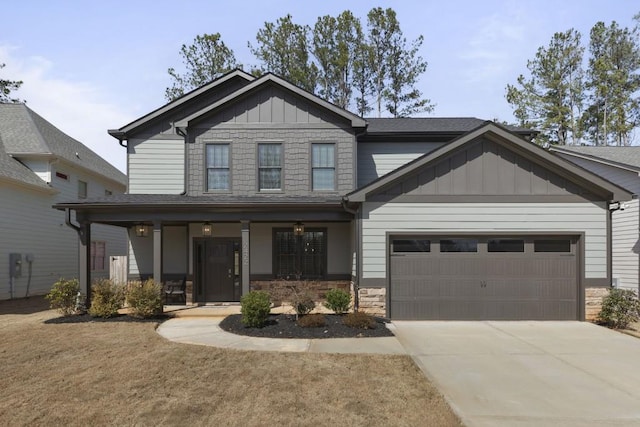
x=224 y=249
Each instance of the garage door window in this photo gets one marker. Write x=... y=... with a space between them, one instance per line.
x=505 y=245
x=459 y=245
x=556 y=245
x=411 y=245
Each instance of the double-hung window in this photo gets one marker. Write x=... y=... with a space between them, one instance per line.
x=300 y=257
x=323 y=166
x=270 y=166
x=82 y=189
x=218 y=178
x=98 y=256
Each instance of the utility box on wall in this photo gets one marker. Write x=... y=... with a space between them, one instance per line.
x=15 y=265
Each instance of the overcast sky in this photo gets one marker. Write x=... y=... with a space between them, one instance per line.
x=91 y=66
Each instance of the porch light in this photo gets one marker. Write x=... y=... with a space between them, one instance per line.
x=207 y=229
x=142 y=230
x=298 y=229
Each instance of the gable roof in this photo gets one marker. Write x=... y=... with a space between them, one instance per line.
x=444 y=125
x=621 y=157
x=142 y=121
x=270 y=78
x=25 y=133
x=13 y=170
x=493 y=131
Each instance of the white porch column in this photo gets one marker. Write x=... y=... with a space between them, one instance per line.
x=157 y=252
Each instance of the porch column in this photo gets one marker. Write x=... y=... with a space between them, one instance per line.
x=157 y=252
x=84 y=234
x=245 y=257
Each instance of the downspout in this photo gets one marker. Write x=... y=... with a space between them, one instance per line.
x=67 y=220
x=356 y=282
x=186 y=161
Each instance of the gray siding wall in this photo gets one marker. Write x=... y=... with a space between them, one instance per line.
x=379 y=158
x=29 y=225
x=516 y=218
x=296 y=145
x=625 y=224
x=156 y=166
x=626 y=246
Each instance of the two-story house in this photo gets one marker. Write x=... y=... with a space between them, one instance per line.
x=39 y=167
x=249 y=180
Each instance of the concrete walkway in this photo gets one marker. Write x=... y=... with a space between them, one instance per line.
x=204 y=330
x=529 y=373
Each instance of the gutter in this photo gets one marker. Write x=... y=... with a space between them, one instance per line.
x=356 y=282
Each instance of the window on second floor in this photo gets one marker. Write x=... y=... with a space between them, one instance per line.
x=323 y=167
x=270 y=166
x=218 y=176
x=82 y=189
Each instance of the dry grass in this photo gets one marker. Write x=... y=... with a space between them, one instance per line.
x=126 y=374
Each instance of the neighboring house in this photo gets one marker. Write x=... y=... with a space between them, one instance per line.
x=620 y=165
x=248 y=181
x=39 y=167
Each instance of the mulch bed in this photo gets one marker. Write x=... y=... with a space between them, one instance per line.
x=285 y=326
x=86 y=318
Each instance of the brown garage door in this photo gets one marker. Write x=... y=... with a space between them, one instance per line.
x=483 y=278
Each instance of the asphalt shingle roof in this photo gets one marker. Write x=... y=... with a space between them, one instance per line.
x=16 y=171
x=428 y=124
x=22 y=131
x=629 y=156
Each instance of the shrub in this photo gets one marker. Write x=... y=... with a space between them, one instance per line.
x=619 y=308
x=312 y=321
x=255 y=307
x=338 y=300
x=302 y=302
x=63 y=296
x=360 y=320
x=107 y=298
x=144 y=298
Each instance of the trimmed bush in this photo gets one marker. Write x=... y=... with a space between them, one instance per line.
x=302 y=302
x=338 y=300
x=312 y=321
x=255 y=307
x=360 y=320
x=63 y=296
x=619 y=308
x=144 y=298
x=106 y=298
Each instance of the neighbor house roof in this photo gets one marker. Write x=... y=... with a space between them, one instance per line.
x=491 y=129
x=622 y=157
x=25 y=133
x=269 y=78
x=12 y=169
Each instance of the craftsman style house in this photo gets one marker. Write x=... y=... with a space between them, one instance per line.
x=246 y=181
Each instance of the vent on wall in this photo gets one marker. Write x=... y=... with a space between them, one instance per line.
x=62 y=176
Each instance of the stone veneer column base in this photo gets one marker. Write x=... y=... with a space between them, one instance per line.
x=593 y=302
x=373 y=300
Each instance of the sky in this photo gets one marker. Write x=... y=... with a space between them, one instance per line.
x=91 y=66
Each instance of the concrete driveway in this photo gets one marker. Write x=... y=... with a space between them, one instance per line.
x=530 y=373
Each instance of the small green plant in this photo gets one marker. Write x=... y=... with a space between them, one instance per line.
x=619 y=308
x=63 y=296
x=360 y=320
x=107 y=298
x=144 y=298
x=312 y=321
x=338 y=300
x=255 y=307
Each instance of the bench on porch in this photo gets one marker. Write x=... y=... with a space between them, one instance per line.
x=175 y=287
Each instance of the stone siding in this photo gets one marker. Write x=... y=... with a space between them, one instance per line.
x=318 y=288
x=593 y=302
x=373 y=300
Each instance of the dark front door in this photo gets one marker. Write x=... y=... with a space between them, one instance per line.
x=217 y=269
